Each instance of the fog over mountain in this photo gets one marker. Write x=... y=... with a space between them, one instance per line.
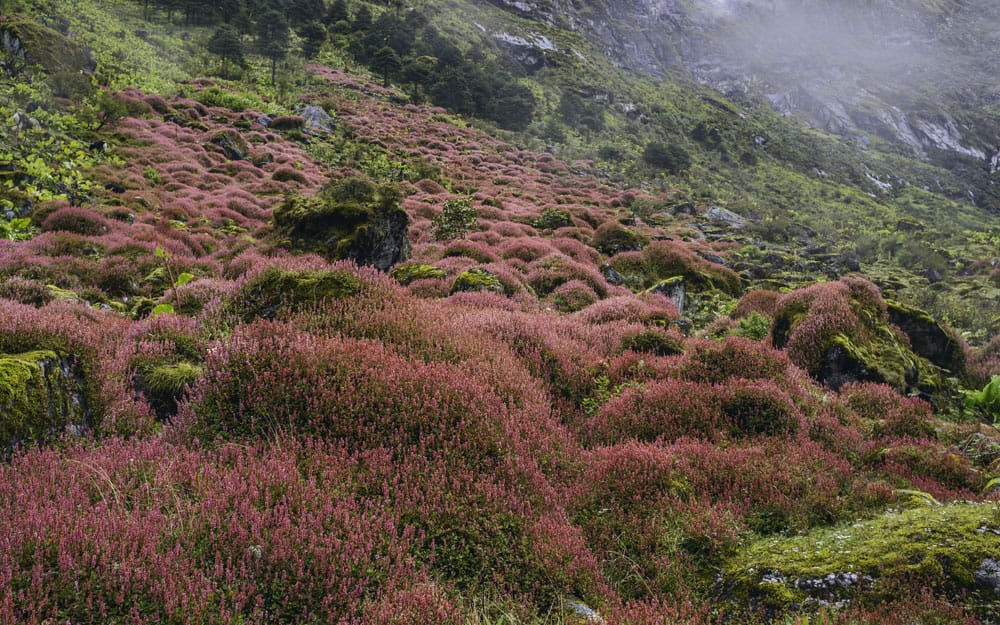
x=911 y=72
x=918 y=74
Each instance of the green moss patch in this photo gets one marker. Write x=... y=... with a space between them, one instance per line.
x=405 y=274
x=954 y=549
x=164 y=385
x=477 y=279
x=41 y=393
x=275 y=291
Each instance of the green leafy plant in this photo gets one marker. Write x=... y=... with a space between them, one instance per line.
x=19 y=229
x=455 y=220
x=175 y=281
x=986 y=402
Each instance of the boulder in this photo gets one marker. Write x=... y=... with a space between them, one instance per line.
x=317 y=120
x=673 y=290
x=41 y=394
x=25 y=42
x=277 y=291
x=842 y=332
x=411 y=272
x=349 y=219
x=477 y=279
x=728 y=217
x=232 y=145
x=951 y=548
x=928 y=338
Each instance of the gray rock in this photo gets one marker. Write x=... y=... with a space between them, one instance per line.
x=673 y=290
x=988 y=574
x=582 y=611
x=317 y=120
x=723 y=215
x=232 y=144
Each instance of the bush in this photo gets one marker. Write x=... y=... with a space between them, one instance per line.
x=670 y=157
x=455 y=220
x=77 y=220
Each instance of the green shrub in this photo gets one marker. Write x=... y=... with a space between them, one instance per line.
x=455 y=220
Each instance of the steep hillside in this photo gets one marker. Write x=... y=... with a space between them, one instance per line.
x=286 y=340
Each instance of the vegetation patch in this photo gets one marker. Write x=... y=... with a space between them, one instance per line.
x=951 y=548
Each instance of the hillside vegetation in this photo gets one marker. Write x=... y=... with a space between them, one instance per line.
x=359 y=313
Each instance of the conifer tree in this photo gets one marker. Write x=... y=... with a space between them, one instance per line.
x=273 y=38
x=227 y=44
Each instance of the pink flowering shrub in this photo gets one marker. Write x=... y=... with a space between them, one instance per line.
x=647 y=308
x=75 y=219
x=715 y=363
x=886 y=412
x=573 y=295
x=662 y=410
x=761 y=301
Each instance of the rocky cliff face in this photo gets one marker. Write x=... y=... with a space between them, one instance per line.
x=912 y=72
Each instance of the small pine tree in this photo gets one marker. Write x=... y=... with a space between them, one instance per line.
x=313 y=35
x=386 y=62
x=227 y=44
x=273 y=38
x=337 y=12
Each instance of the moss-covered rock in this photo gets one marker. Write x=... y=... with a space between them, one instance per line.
x=25 y=40
x=928 y=337
x=41 y=393
x=841 y=332
x=163 y=385
x=348 y=219
x=477 y=279
x=232 y=145
x=411 y=272
x=276 y=290
x=952 y=549
x=612 y=237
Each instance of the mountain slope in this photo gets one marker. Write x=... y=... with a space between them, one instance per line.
x=568 y=393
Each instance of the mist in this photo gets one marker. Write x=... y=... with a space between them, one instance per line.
x=788 y=41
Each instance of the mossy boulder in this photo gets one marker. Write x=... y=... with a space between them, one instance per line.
x=952 y=549
x=163 y=385
x=841 y=332
x=477 y=279
x=27 y=41
x=232 y=145
x=41 y=393
x=612 y=237
x=348 y=219
x=411 y=272
x=928 y=337
x=276 y=290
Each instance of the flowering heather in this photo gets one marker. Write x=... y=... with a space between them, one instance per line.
x=647 y=308
x=761 y=301
x=573 y=295
x=307 y=441
x=886 y=412
x=714 y=363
